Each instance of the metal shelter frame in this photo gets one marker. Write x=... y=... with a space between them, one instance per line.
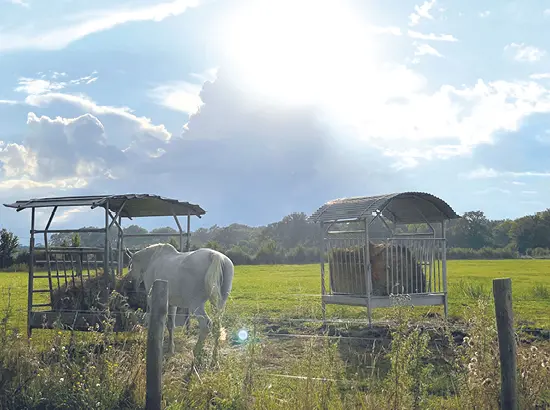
x=115 y=208
x=400 y=262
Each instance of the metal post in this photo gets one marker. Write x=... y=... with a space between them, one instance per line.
x=322 y=261
x=368 y=272
x=47 y=251
x=120 y=261
x=31 y=274
x=188 y=246
x=444 y=268
x=180 y=230
x=106 y=256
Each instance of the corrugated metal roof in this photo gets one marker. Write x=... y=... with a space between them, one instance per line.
x=135 y=205
x=404 y=207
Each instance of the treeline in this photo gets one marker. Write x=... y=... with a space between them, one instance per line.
x=295 y=240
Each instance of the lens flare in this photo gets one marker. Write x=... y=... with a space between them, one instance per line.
x=242 y=335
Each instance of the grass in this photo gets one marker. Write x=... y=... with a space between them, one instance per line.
x=409 y=367
x=292 y=291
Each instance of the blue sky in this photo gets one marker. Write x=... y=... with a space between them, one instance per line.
x=255 y=109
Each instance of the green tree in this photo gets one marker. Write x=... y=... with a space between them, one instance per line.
x=75 y=240
x=473 y=230
x=175 y=243
x=8 y=245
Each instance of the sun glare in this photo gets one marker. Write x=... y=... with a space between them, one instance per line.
x=299 y=51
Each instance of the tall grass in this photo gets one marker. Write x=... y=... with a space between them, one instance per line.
x=540 y=291
x=472 y=290
x=420 y=368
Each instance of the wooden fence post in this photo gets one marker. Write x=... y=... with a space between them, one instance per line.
x=155 y=339
x=502 y=293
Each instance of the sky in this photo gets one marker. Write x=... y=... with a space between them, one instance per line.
x=255 y=109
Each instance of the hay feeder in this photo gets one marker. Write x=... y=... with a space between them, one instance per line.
x=77 y=288
x=382 y=246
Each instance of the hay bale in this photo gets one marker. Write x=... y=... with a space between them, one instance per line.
x=348 y=269
x=87 y=294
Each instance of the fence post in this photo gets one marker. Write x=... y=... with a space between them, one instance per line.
x=502 y=293
x=155 y=339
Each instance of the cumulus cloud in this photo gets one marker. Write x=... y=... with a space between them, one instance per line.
x=524 y=53
x=134 y=134
x=420 y=12
x=65 y=148
x=60 y=33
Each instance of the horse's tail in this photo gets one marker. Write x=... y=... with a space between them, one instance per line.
x=215 y=281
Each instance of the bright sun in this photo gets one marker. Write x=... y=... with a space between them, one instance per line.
x=299 y=51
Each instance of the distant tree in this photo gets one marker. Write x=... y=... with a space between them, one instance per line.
x=8 y=245
x=238 y=256
x=501 y=233
x=214 y=245
x=175 y=243
x=75 y=240
x=471 y=231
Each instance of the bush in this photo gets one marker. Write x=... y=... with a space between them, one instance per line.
x=483 y=253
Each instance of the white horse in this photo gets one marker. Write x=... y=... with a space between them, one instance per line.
x=193 y=278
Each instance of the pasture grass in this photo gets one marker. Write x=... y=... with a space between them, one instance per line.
x=289 y=359
x=292 y=292
x=415 y=369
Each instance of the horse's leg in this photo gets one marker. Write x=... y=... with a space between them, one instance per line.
x=148 y=310
x=186 y=316
x=204 y=326
x=171 y=326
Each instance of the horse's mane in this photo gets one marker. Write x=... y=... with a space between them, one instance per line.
x=159 y=247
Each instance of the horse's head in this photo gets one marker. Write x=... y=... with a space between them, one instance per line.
x=136 y=269
x=140 y=261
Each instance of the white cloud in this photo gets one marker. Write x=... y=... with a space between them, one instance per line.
x=422 y=11
x=547 y=12
x=60 y=153
x=525 y=53
x=33 y=86
x=8 y=102
x=529 y=192
x=180 y=96
x=17 y=160
x=493 y=190
x=59 y=34
x=483 y=173
x=425 y=49
x=431 y=36
x=540 y=76
x=138 y=127
x=38 y=86
x=485 y=13
x=518 y=183
x=20 y=3
x=61 y=184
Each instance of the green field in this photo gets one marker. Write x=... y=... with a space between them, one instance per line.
x=292 y=291
x=295 y=364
